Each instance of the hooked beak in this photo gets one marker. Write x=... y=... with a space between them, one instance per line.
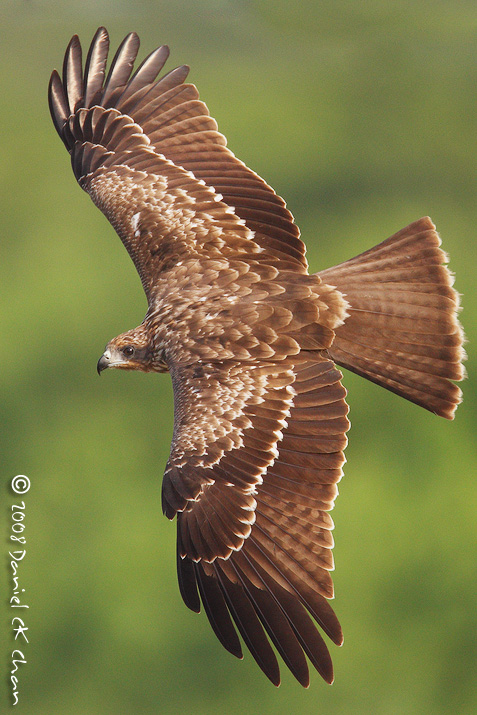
x=103 y=362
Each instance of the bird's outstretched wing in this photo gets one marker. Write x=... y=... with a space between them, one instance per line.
x=152 y=160
x=255 y=459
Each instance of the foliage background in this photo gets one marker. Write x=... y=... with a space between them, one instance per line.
x=362 y=115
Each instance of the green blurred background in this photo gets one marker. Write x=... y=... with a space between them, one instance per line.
x=362 y=115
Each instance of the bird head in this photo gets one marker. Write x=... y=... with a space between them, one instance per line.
x=128 y=351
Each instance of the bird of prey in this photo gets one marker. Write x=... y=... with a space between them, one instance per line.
x=251 y=341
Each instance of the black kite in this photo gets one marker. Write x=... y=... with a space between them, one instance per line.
x=251 y=341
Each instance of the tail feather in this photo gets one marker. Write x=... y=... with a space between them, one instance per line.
x=402 y=330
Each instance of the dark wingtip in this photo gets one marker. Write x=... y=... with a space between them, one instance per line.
x=57 y=102
x=73 y=73
x=101 y=30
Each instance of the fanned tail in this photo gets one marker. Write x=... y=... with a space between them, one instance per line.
x=402 y=330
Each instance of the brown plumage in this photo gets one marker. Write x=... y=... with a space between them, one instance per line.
x=250 y=339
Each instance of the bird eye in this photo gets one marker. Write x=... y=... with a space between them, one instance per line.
x=128 y=351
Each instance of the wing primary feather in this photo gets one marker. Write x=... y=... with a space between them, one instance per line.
x=217 y=611
x=146 y=73
x=278 y=627
x=73 y=73
x=249 y=626
x=121 y=67
x=57 y=102
x=314 y=602
x=300 y=621
x=172 y=501
x=95 y=65
x=173 y=78
x=151 y=101
x=187 y=581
